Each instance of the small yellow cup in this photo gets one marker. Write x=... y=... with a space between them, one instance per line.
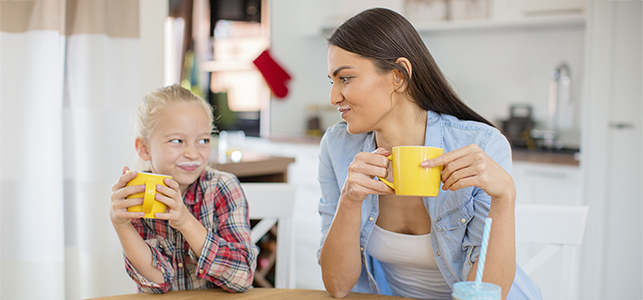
x=409 y=178
x=150 y=206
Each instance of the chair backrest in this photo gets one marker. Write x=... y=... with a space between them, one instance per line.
x=272 y=203
x=560 y=227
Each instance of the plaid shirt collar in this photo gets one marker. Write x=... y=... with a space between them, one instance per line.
x=194 y=194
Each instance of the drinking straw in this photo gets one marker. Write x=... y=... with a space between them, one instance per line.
x=483 y=250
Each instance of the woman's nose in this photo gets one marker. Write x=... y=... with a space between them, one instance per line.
x=336 y=96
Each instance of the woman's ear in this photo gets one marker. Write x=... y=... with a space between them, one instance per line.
x=142 y=148
x=400 y=81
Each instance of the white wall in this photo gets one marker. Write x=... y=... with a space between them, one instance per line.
x=298 y=46
x=489 y=68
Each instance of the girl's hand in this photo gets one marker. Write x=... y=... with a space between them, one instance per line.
x=118 y=210
x=176 y=212
x=470 y=166
x=360 y=183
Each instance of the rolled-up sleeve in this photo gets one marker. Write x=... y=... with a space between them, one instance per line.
x=159 y=261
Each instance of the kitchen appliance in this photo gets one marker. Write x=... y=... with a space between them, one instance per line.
x=518 y=127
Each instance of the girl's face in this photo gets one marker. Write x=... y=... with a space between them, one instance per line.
x=362 y=95
x=179 y=145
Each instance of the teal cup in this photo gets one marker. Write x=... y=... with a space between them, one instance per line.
x=468 y=290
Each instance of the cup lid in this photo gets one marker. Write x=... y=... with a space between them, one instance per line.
x=468 y=290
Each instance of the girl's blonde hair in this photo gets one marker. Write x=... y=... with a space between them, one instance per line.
x=153 y=105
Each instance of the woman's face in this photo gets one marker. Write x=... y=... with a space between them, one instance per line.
x=363 y=96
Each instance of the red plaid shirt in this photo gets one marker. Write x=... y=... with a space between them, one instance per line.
x=229 y=257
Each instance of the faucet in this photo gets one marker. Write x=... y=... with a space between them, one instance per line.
x=559 y=91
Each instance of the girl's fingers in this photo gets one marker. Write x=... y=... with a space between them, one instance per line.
x=125 y=215
x=167 y=191
x=127 y=191
x=170 y=202
x=164 y=216
x=125 y=169
x=171 y=183
x=124 y=204
x=123 y=180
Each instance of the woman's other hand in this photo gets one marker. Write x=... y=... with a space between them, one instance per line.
x=118 y=210
x=471 y=166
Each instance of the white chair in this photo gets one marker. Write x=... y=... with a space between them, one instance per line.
x=272 y=203
x=560 y=227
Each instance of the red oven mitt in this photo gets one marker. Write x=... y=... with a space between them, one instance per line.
x=276 y=77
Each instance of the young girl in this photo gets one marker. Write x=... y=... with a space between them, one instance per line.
x=390 y=92
x=203 y=239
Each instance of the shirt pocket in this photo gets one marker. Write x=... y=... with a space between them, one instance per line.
x=452 y=227
x=456 y=218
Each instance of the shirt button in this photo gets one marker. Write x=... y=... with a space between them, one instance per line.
x=370 y=219
x=463 y=220
x=180 y=265
x=361 y=249
x=200 y=271
x=437 y=253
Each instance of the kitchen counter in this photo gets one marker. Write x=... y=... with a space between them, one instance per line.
x=548 y=157
x=257 y=167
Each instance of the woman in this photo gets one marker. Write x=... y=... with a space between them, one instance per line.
x=390 y=92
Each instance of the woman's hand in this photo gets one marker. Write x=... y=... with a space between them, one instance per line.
x=176 y=212
x=118 y=210
x=360 y=183
x=470 y=166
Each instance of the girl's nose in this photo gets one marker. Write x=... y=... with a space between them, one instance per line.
x=190 y=152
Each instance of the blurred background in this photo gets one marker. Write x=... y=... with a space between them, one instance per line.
x=562 y=79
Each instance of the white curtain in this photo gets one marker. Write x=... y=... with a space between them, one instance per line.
x=70 y=81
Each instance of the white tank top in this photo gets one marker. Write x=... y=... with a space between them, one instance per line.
x=409 y=264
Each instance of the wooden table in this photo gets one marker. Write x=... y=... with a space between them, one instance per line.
x=257 y=167
x=252 y=294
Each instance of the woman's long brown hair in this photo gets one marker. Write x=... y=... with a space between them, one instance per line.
x=383 y=36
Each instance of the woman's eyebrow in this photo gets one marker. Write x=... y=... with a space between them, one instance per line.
x=339 y=69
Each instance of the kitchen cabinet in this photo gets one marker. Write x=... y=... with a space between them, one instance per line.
x=500 y=14
x=546 y=183
x=517 y=9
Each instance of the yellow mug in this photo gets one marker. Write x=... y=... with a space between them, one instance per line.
x=150 y=206
x=409 y=178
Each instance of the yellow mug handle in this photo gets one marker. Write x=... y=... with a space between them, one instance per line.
x=388 y=183
x=150 y=190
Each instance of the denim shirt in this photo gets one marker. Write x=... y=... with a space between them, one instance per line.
x=457 y=217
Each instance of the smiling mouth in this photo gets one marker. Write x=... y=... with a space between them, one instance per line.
x=191 y=166
x=343 y=111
